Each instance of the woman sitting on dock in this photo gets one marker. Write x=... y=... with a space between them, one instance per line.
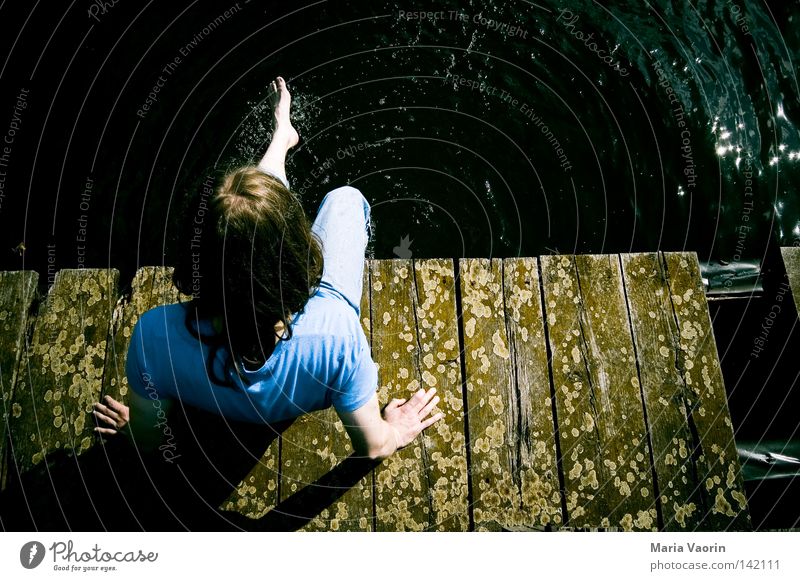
x=273 y=330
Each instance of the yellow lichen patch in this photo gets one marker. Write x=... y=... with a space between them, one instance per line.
x=496 y=403
x=16 y=410
x=645 y=519
x=622 y=486
x=588 y=422
x=721 y=504
x=590 y=480
x=469 y=327
x=740 y=498
x=500 y=349
x=682 y=512
x=429 y=378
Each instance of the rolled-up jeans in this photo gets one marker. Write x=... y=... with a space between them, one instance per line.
x=343 y=226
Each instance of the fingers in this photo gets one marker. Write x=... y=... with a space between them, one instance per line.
x=106 y=419
x=427 y=409
x=106 y=411
x=114 y=404
x=421 y=398
x=106 y=431
x=432 y=420
x=395 y=402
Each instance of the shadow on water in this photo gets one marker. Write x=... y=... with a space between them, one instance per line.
x=112 y=487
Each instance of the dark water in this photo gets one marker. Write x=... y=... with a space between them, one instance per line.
x=496 y=129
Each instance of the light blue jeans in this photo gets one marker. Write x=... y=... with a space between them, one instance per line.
x=344 y=227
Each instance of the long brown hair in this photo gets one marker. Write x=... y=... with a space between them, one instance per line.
x=249 y=256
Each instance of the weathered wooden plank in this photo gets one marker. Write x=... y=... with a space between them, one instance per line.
x=126 y=314
x=791 y=260
x=535 y=459
x=62 y=370
x=656 y=339
x=439 y=360
x=164 y=292
x=493 y=427
x=719 y=471
x=17 y=292
x=314 y=444
x=581 y=452
x=607 y=473
x=368 y=482
x=618 y=420
x=310 y=448
x=402 y=488
x=257 y=493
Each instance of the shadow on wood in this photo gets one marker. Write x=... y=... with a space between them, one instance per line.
x=304 y=506
x=113 y=487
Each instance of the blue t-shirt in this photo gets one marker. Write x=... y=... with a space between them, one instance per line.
x=326 y=362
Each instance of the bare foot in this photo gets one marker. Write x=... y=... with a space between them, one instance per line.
x=282 y=101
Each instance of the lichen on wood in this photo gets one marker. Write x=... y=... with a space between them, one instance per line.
x=62 y=370
x=17 y=294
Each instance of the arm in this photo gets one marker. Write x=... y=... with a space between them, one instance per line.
x=378 y=435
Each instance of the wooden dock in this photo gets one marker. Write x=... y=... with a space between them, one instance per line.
x=579 y=392
x=791 y=260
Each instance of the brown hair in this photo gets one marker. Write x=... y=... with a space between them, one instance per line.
x=250 y=257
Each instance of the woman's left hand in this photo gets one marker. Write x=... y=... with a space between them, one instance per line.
x=111 y=416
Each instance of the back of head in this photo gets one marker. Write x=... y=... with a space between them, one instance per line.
x=250 y=257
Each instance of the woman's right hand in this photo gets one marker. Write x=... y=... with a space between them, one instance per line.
x=409 y=418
